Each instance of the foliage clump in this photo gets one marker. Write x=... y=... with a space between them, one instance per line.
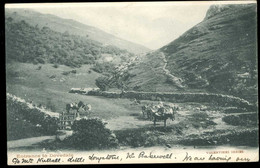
x=91 y=133
x=20 y=117
x=243 y=119
x=103 y=83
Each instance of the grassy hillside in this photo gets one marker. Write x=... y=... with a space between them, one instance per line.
x=218 y=54
x=146 y=75
x=72 y=27
x=41 y=87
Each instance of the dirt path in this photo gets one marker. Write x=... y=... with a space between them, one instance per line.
x=27 y=141
x=34 y=140
x=176 y=80
x=132 y=122
x=127 y=122
x=137 y=121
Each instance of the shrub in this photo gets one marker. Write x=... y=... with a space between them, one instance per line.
x=91 y=133
x=39 y=60
x=241 y=137
x=242 y=120
x=65 y=72
x=55 y=65
x=39 y=67
x=50 y=105
x=201 y=119
x=103 y=67
x=52 y=76
x=73 y=71
x=103 y=83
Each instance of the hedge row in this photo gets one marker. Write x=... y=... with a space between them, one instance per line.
x=242 y=119
x=238 y=137
x=45 y=123
x=218 y=99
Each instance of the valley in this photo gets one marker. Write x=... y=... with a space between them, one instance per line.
x=209 y=73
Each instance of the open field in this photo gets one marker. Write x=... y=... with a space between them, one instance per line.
x=31 y=84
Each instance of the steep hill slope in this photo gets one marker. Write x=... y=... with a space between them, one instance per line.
x=72 y=27
x=25 y=43
x=217 y=55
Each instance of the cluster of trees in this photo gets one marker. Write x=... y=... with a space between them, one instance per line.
x=105 y=67
x=26 y=43
x=112 y=81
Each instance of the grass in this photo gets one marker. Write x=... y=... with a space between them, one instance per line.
x=35 y=85
x=40 y=78
x=200 y=119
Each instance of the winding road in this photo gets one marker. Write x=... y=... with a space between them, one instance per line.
x=176 y=80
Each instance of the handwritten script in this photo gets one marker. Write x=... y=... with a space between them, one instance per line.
x=129 y=157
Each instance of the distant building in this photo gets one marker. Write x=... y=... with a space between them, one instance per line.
x=66 y=120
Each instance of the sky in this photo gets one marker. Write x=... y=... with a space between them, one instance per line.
x=153 y=24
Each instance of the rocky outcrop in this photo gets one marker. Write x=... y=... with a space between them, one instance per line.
x=216 y=9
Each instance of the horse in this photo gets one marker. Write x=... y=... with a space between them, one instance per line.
x=74 y=106
x=87 y=108
x=78 y=106
x=148 y=110
x=144 y=109
x=162 y=114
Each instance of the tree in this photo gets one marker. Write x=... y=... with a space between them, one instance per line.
x=90 y=133
x=103 y=83
x=9 y=19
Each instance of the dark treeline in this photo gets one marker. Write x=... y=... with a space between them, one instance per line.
x=25 y=43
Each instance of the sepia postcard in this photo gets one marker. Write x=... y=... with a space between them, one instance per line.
x=131 y=82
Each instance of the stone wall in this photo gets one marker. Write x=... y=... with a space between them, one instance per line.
x=218 y=99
